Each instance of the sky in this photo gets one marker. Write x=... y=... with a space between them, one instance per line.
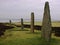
x=16 y=9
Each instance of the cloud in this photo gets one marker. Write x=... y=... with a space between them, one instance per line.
x=23 y=8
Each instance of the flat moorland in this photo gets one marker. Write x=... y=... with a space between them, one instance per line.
x=16 y=36
x=54 y=24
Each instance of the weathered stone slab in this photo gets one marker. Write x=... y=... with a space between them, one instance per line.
x=46 y=24
x=22 y=26
x=32 y=22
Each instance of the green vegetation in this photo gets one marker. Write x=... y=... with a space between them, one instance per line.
x=16 y=36
x=54 y=24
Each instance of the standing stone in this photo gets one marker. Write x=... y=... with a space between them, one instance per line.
x=22 y=26
x=10 y=21
x=32 y=22
x=46 y=24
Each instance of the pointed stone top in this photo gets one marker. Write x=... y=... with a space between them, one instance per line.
x=32 y=13
x=46 y=3
x=21 y=18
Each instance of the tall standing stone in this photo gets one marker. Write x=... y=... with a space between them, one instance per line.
x=22 y=26
x=32 y=22
x=10 y=21
x=46 y=24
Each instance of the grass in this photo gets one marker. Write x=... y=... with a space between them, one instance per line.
x=16 y=36
x=54 y=24
x=12 y=37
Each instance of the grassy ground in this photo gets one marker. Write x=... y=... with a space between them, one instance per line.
x=54 y=24
x=16 y=36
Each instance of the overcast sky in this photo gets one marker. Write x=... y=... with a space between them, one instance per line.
x=16 y=9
